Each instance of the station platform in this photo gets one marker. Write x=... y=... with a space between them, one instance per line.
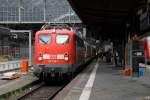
x=104 y=81
x=9 y=86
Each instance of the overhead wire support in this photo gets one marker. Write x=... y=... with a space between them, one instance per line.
x=44 y=11
x=19 y=10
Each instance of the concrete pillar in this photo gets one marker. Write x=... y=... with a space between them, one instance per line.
x=1 y=44
x=84 y=32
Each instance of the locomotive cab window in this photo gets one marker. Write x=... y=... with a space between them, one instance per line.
x=62 y=39
x=44 y=39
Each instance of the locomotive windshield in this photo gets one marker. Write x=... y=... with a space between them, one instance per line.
x=62 y=39
x=44 y=39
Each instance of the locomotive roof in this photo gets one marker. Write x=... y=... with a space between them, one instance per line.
x=56 y=31
x=56 y=26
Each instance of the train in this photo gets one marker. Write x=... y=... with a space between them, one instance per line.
x=146 y=41
x=60 y=50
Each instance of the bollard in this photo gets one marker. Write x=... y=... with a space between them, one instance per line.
x=24 y=66
x=127 y=72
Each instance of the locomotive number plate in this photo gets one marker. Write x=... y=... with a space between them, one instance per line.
x=53 y=56
x=60 y=56
x=46 y=56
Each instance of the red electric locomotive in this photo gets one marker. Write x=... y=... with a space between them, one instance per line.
x=147 y=47
x=58 y=50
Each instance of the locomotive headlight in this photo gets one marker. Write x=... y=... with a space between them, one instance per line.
x=66 y=58
x=40 y=58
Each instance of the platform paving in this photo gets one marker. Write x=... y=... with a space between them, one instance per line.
x=109 y=84
x=7 y=86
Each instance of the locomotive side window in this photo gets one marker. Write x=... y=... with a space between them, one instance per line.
x=62 y=39
x=44 y=39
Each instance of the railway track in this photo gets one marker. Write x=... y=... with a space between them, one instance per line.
x=41 y=92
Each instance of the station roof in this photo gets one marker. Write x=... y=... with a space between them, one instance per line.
x=108 y=17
